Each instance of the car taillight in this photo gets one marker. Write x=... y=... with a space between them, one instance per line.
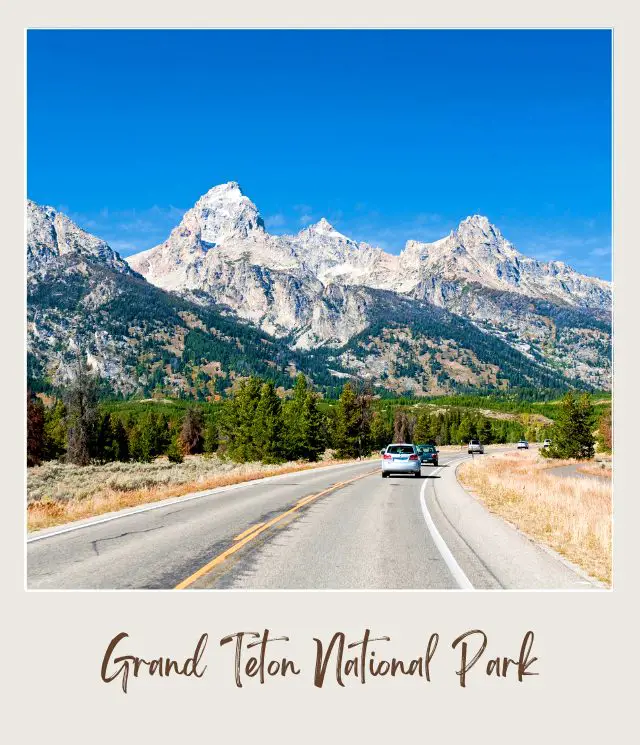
x=386 y=457
x=413 y=457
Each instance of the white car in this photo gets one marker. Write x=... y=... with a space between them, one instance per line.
x=522 y=445
x=401 y=457
x=475 y=446
x=546 y=444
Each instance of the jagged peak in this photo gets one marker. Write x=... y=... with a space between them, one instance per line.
x=324 y=228
x=52 y=234
x=475 y=220
x=226 y=212
x=476 y=223
x=230 y=191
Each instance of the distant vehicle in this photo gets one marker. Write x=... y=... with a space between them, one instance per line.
x=522 y=445
x=401 y=457
x=546 y=444
x=428 y=454
x=475 y=446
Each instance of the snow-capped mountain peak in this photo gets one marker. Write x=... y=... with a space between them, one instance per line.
x=224 y=213
x=222 y=249
x=325 y=228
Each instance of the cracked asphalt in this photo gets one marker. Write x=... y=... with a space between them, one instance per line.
x=369 y=533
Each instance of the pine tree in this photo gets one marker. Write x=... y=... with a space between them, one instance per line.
x=81 y=400
x=572 y=432
x=238 y=418
x=174 y=451
x=422 y=429
x=211 y=435
x=104 y=438
x=191 y=432
x=381 y=434
x=585 y=426
x=445 y=432
x=485 y=432
x=464 y=433
x=120 y=442
x=314 y=436
x=605 y=432
x=55 y=431
x=139 y=445
x=434 y=429
x=35 y=430
x=268 y=426
x=294 y=421
x=348 y=424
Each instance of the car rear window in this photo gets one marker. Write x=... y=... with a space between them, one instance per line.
x=427 y=448
x=400 y=449
x=475 y=442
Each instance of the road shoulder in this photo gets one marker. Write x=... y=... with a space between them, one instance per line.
x=492 y=552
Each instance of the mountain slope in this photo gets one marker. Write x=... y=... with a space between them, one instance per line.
x=314 y=288
x=82 y=297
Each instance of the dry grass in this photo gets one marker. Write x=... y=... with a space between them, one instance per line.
x=58 y=493
x=571 y=515
x=597 y=469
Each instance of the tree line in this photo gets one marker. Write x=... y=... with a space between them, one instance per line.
x=575 y=431
x=256 y=424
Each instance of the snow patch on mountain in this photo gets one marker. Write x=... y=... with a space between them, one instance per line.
x=222 y=248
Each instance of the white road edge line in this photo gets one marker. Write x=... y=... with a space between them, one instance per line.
x=182 y=500
x=453 y=566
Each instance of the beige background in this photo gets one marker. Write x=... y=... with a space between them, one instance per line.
x=53 y=643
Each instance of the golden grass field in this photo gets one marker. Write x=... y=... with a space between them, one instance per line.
x=570 y=515
x=59 y=493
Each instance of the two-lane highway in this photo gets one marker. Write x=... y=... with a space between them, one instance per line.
x=342 y=527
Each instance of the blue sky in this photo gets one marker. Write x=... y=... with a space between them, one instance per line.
x=391 y=135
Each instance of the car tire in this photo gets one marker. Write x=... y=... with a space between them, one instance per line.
x=385 y=475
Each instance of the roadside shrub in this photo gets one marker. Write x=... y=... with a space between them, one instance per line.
x=174 y=451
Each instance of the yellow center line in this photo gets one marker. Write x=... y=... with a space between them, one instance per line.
x=248 y=531
x=254 y=531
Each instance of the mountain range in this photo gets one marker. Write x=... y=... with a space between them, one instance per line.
x=467 y=311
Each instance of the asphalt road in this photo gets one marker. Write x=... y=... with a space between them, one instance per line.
x=342 y=527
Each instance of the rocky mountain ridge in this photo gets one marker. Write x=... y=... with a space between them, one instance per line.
x=310 y=287
x=465 y=311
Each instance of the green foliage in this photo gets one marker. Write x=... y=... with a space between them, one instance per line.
x=439 y=325
x=139 y=444
x=353 y=423
x=605 y=432
x=174 y=451
x=237 y=421
x=120 y=442
x=381 y=431
x=268 y=426
x=314 y=432
x=572 y=433
x=55 y=431
x=255 y=423
x=104 y=447
x=81 y=401
x=304 y=426
x=422 y=432
x=211 y=434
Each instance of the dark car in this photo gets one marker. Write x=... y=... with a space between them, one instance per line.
x=428 y=454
